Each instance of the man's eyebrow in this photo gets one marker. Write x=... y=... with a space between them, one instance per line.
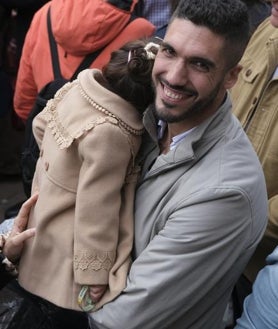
x=166 y=45
x=204 y=60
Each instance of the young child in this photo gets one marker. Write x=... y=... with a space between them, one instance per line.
x=88 y=135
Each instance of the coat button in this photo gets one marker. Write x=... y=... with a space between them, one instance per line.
x=248 y=72
x=46 y=165
x=41 y=153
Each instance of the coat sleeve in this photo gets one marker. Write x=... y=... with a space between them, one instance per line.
x=260 y=307
x=181 y=272
x=268 y=242
x=272 y=227
x=26 y=88
x=105 y=154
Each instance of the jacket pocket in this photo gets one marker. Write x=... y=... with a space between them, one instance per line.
x=250 y=71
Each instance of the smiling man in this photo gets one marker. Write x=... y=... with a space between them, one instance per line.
x=201 y=204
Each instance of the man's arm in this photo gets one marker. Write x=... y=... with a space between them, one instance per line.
x=188 y=266
x=11 y=243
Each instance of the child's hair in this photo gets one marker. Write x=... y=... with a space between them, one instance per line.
x=129 y=72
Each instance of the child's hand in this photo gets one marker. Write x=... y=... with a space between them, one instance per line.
x=90 y=295
x=96 y=292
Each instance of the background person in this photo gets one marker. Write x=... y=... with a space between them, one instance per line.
x=255 y=103
x=258 y=11
x=79 y=28
x=157 y=12
x=260 y=307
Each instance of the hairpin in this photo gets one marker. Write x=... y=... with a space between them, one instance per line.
x=148 y=47
x=129 y=56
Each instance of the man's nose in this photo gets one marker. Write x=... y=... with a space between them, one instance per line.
x=177 y=74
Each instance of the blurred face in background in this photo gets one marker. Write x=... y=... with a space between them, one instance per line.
x=274 y=13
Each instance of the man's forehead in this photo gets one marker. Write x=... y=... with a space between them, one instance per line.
x=185 y=29
x=184 y=36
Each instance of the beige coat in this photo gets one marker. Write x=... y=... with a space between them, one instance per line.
x=86 y=178
x=255 y=103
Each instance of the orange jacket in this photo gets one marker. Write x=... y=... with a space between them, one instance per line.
x=79 y=28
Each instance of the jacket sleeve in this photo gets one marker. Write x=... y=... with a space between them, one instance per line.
x=26 y=89
x=177 y=263
x=272 y=227
x=268 y=242
x=105 y=154
x=260 y=307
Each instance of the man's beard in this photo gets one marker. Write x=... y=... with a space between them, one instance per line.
x=192 y=112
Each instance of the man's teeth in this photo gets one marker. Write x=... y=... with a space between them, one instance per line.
x=171 y=94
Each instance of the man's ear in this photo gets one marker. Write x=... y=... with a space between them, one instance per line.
x=231 y=76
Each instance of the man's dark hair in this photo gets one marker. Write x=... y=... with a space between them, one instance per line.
x=228 y=18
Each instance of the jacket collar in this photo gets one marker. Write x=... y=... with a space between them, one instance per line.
x=194 y=146
x=90 y=81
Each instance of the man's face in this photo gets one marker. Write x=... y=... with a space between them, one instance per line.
x=189 y=74
x=274 y=13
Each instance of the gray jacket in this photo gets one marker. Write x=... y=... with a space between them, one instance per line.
x=200 y=211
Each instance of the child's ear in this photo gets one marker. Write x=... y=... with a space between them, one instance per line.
x=231 y=76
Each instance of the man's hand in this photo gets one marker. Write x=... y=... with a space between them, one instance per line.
x=14 y=243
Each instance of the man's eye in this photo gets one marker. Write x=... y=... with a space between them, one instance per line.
x=167 y=51
x=201 y=66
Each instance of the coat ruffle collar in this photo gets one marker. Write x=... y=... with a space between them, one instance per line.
x=87 y=92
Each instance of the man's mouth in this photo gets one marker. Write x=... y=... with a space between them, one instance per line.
x=176 y=95
x=171 y=94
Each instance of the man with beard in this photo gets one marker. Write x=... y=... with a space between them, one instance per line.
x=201 y=204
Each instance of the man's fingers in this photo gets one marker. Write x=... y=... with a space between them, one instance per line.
x=18 y=239
x=28 y=204
x=13 y=246
x=23 y=215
